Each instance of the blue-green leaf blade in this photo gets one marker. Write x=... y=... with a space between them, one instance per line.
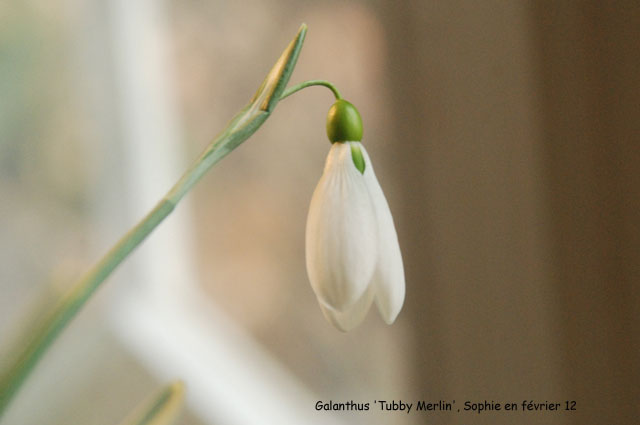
x=160 y=408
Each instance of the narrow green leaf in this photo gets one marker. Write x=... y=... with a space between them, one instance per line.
x=160 y=408
x=240 y=128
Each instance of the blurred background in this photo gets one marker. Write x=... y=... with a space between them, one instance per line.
x=506 y=136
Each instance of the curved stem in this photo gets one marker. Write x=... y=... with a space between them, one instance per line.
x=310 y=83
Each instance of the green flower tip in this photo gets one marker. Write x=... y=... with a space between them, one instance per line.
x=344 y=123
x=356 y=156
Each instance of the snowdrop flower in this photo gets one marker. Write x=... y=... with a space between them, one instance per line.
x=352 y=252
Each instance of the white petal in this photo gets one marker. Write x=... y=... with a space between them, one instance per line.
x=353 y=316
x=388 y=278
x=341 y=238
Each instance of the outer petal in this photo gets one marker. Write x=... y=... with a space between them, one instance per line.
x=388 y=278
x=351 y=317
x=341 y=238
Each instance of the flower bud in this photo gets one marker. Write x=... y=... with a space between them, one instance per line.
x=352 y=251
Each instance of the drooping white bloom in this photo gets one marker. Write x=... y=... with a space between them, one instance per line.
x=352 y=252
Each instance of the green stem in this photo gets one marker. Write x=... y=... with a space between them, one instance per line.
x=310 y=83
x=241 y=127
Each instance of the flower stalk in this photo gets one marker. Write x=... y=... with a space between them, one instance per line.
x=291 y=90
x=239 y=129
